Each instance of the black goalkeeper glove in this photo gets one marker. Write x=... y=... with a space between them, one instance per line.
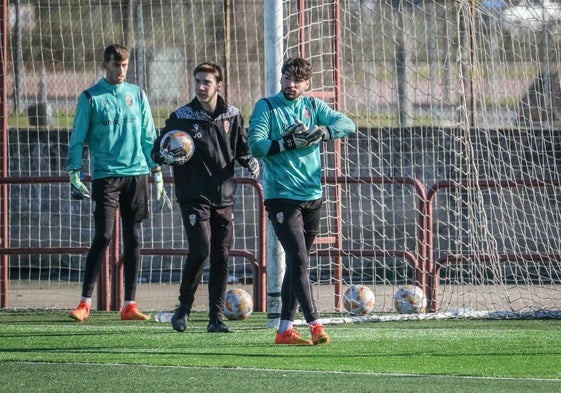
x=296 y=136
x=295 y=128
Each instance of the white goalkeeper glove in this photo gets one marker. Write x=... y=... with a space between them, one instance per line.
x=253 y=167
x=77 y=189
x=251 y=164
x=161 y=194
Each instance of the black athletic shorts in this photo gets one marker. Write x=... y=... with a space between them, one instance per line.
x=129 y=194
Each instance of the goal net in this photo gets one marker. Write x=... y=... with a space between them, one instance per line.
x=451 y=182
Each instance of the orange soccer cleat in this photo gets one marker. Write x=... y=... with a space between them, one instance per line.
x=291 y=337
x=319 y=336
x=81 y=313
x=130 y=312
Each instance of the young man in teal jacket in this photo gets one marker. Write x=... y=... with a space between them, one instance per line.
x=286 y=131
x=113 y=118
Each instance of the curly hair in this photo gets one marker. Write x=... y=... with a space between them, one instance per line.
x=298 y=67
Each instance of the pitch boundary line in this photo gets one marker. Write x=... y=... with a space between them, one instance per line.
x=272 y=370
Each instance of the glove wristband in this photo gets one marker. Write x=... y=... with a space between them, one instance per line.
x=287 y=143
x=328 y=135
x=74 y=174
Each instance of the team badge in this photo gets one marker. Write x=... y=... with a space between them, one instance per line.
x=192 y=219
x=226 y=126
x=128 y=100
x=280 y=217
x=307 y=114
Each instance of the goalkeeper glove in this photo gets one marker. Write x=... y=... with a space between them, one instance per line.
x=296 y=140
x=324 y=132
x=173 y=159
x=327 y=135
x=159 y=184
x=299 y=127
x=251 y=164
x=307 y=138
x=295 y=128
x=77 y=189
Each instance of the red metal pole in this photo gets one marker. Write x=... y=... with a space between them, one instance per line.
x=336 y=57
x=301 y=28
x=4 y=261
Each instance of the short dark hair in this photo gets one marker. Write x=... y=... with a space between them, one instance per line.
x=117 y=52
x=212 y=68
x=298 y=67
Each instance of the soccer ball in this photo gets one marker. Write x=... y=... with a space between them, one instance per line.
x=410 y=299
x=359 y=300
x=177 y=147
x=238 y=304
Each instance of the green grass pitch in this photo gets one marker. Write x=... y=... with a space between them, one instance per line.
x=45 y=351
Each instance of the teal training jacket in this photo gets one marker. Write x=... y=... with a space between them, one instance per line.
x=292 y=174
x=116 y=123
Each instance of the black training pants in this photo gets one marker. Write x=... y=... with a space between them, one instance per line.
x=209 y=231
x=130 y=195
x=296 y=224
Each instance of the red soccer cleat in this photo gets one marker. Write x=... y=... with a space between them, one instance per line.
x=318 y=335
x=291 y=337
x=81 y=313
x=131 y=313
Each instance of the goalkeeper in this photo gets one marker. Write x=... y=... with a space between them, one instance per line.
x=205 y=187
x=286 y=130
x=113 y=117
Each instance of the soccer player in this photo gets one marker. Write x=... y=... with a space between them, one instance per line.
x=286 y=130
x=113 y=117
x=204 y=187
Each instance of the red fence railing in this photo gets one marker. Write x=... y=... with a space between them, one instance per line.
x=109 y=285
x=427 y=271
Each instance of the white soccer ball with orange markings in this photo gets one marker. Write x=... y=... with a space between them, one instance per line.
x=410 y=299
x=359 y=300
x=238 y=304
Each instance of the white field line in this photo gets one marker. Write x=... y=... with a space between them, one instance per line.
x=270 y=370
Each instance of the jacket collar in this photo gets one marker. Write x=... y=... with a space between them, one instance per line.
x=220 y=106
